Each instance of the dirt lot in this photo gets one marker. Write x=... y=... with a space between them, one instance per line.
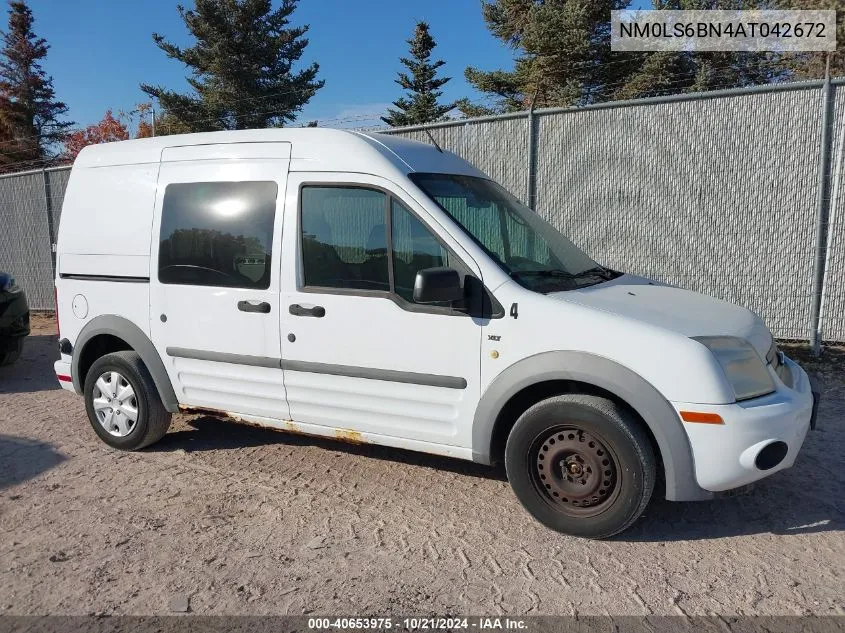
x=240 y=520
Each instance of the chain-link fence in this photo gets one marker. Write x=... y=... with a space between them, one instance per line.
x=717 y=193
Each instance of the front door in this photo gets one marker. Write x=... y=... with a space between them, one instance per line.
x=215 y=277
x=358 y=353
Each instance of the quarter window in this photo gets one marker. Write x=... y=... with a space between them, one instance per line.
x=217 y=234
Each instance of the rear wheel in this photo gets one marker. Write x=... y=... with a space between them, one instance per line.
x=10 y=350
x=122 y=402
x=581 y=465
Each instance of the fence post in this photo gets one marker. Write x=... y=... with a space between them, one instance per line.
x=823 y=210
x=836 y=183
x=532 y=159
x=51 y=229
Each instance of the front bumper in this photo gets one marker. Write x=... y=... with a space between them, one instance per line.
x=759 y=437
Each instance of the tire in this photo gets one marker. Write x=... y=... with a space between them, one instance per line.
x=152 y=419
x=11 y=351
x=581 y=465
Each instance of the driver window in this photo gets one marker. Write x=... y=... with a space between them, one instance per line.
x=217 y=234
x=344 y=238
x=414 y=249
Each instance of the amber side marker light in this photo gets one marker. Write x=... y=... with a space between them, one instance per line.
x=703 y=418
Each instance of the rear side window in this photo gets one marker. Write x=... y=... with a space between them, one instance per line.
x=217 y=234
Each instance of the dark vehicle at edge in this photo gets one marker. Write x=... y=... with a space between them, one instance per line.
x=14 y=319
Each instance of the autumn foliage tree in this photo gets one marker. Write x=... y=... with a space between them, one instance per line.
x=145 y=128
x=107 y=130
x=111 y=128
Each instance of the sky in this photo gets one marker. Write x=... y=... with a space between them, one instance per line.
x=101 y=50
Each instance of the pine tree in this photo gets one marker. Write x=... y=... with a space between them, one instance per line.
x=241 y=68
x=421 y=104
x=667 y=72
x=565 y=57
x=564 y=54
x=812 y=65
x=31 y=119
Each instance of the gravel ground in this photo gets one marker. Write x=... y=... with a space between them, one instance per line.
x=222 y=518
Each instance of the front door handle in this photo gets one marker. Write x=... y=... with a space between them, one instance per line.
x=248 y=306
x=298 y=310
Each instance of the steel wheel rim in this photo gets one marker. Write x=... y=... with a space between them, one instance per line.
x=575 y=472
x=115 y=404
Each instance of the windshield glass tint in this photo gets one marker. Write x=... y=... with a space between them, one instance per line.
x=527 y=247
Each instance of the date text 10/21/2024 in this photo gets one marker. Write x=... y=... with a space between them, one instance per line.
x=417 y=624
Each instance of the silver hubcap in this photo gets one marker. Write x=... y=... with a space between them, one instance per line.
x=115 y=404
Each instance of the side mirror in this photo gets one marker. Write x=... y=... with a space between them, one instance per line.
x=434 y=285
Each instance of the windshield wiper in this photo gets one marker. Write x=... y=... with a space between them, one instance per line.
x=598 y=271
x=551 y=272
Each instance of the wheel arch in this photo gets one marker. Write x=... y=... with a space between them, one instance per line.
x=552 y=373
x=114 y=333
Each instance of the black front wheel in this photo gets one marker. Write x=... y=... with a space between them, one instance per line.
x=581 y=465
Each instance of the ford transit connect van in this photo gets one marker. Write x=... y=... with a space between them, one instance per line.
x=380 y=290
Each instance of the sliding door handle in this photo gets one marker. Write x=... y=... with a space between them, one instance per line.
x=316 y=311
x=248 y=306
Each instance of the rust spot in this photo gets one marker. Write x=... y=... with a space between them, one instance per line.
x=291 y=427
x=203 y=411
x=287 y=426
x=350 y=436
x=220 y=413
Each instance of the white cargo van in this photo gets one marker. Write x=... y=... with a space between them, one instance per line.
x=375 y=289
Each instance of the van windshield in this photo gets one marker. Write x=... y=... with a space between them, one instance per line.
x=526 y=247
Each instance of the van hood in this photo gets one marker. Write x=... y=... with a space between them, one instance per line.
x=682 y=311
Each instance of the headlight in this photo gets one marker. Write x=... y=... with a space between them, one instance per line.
x=745 y=370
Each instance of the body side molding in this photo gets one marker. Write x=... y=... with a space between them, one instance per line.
x=140 y=342
x=221 y=357
x=602 y=372
x=429 y=380
x=389 y=375
x=116 y=278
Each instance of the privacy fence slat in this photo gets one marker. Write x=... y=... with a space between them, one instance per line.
x=717 y=196
x=25 y=244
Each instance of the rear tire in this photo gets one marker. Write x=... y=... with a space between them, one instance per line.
x=581 y=465
x=11 y=351
x=118 y=388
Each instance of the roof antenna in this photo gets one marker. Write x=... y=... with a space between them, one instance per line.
x=432 y=140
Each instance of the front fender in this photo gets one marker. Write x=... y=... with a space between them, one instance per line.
x=598 y=371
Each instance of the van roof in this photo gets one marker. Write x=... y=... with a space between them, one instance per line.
x=312 y=149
